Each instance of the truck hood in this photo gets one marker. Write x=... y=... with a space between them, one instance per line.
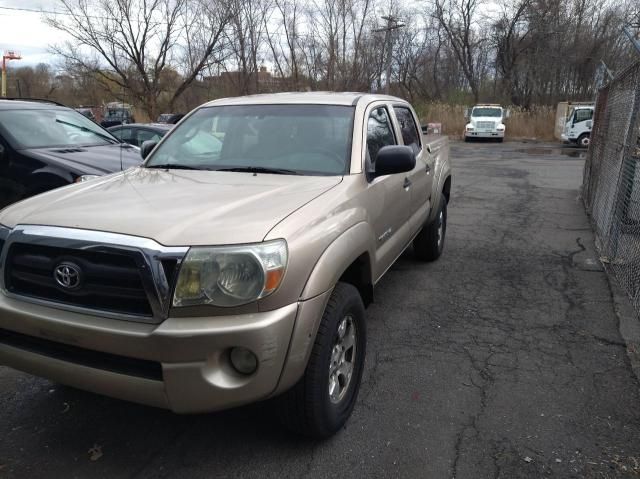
x=175 y=208
x=90 y=160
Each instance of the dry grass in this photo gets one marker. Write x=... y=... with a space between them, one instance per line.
x=537 y=123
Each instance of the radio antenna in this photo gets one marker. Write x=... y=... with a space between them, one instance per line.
x=124 y=96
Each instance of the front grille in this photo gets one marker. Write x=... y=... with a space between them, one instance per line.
x=487 y=125
x=110 y=281
x=85 y=357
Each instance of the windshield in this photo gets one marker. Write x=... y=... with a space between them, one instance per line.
x=295 y=139
x=494 y=112
x=52 y=128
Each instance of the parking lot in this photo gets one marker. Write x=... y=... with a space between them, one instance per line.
x=502 y=359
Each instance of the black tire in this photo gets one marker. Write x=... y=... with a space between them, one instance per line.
x=467 y=139
x=307 y=408
x=428 y=245
x=584 y=140
x=500 y=140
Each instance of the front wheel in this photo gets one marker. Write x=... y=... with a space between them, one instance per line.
x=323 y=399
x=584 y=140
x=429 y=243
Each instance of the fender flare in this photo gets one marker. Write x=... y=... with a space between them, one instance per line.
x=337 y=257
x=349 y=246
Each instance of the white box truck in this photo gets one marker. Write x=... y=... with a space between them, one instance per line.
x=574 y=121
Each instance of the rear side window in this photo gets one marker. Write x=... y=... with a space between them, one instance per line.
x=379 y=132
x=410 y=134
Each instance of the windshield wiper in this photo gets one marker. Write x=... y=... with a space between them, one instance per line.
x=89 y=130
x=260 y=169
x=174 y=166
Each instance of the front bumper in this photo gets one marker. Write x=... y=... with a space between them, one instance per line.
x=117 y=358
x=484 y=134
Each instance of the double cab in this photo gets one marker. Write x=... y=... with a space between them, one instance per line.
x=235 y=264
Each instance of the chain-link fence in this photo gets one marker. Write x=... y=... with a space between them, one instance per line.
x=611 y=185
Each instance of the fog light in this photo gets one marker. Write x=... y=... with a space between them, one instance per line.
x=243 y=360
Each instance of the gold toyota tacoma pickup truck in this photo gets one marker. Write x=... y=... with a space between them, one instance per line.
x=234 y=265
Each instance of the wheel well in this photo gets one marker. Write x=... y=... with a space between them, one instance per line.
x=359 y=275
x=446 y=189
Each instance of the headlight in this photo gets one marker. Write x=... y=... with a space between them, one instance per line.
x=230 y=275
x=83 y=178
x=469 y=128
x=500 y=128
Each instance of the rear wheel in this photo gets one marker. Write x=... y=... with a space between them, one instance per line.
x=429 y=243
x=323 y=399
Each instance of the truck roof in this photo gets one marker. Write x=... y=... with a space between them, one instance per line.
x=319 y=98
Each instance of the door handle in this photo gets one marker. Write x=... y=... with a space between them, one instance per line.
x=407 y=183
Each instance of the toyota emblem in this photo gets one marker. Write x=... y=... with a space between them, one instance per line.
x=67 y=275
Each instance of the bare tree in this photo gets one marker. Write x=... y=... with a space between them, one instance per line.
x=179 y=53
x=246 y=38
x=458 y=19
x=134 y=43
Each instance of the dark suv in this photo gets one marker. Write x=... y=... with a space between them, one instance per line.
x=46 y=145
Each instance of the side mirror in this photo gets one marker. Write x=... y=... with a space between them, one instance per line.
x=394 y=159
x=507 y=113
x=146 y=148
x=467 y=113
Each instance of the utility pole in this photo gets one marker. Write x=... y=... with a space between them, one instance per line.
x=392 y=24
x=8 y=55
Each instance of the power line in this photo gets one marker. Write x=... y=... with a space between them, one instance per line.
x=33 y=10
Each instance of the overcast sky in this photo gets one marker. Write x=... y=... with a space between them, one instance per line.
x=26 y=32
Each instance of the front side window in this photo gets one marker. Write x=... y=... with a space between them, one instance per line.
x=294 y=139
x=410 y=134
x=42 y=128
x=379 y=132
x=147 y=135
x=123 y=134
x=583 y=115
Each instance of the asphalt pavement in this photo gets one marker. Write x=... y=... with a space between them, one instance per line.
x=501 y=360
